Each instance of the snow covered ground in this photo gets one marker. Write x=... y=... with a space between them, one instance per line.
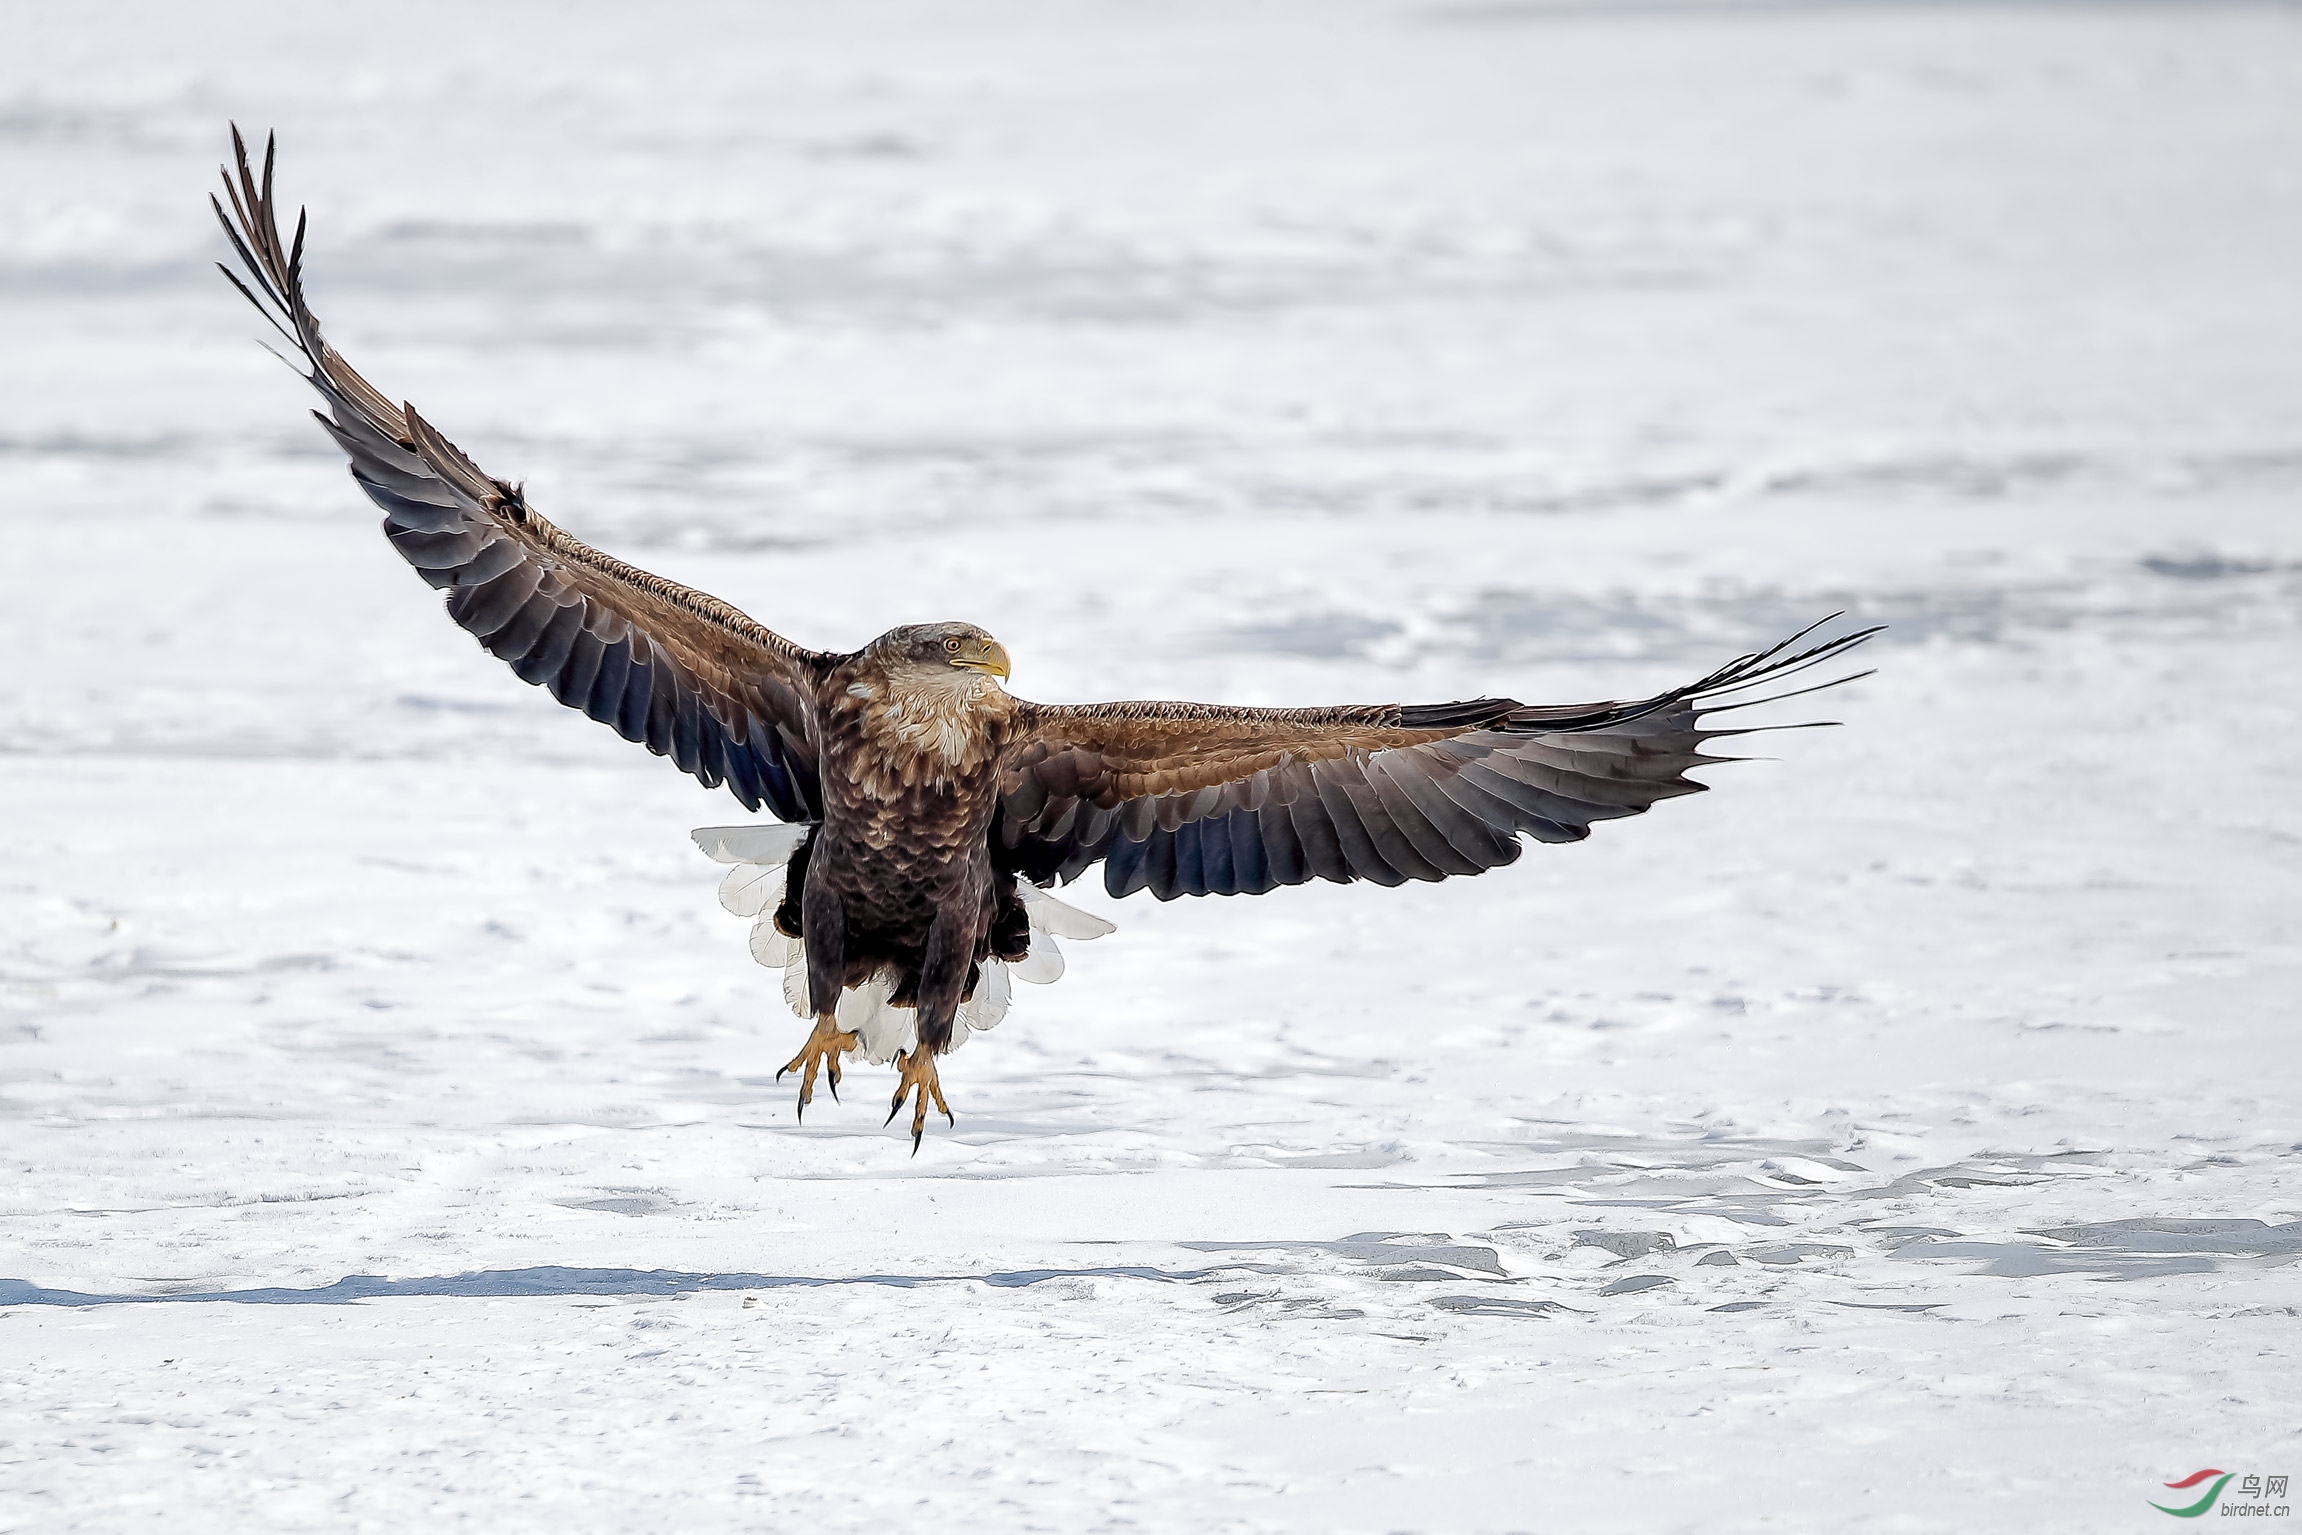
x=1904 y=1137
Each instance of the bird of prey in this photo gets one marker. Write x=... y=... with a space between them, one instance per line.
x=928 y=809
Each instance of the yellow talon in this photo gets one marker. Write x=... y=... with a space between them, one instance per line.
x=822 y=1051
x=917 y=1077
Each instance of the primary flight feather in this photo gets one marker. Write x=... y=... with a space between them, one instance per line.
x=930 y=807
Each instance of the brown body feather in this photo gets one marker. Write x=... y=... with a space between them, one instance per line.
x=899 y=877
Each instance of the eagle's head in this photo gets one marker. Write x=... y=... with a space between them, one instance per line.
x=926 y=693
x=924 y=654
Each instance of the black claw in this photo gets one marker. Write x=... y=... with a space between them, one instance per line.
x=915 y=1143
x=891 y=1113
x=779 y=1075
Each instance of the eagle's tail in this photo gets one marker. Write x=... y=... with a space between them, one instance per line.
x=754 y=887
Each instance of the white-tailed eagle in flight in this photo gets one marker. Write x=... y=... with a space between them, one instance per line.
x=928 y=809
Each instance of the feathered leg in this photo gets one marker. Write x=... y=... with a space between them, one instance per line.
x=942 y=980
x=823 y=928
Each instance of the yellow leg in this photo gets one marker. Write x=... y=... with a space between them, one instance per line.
x=822 y=1051
x=917 y=1079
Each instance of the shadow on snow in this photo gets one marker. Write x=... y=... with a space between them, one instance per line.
x=495 y=1284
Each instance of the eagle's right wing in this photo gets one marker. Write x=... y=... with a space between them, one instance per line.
x=683 y=672
x=1206 y=799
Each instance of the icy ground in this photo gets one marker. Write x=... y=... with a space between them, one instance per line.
x=1903 y=1137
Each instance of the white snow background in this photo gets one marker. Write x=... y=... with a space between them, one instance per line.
x=1902 y=1137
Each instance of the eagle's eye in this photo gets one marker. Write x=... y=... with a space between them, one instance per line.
x=952 y=645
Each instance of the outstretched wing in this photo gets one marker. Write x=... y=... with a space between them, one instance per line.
x=683 y=672
x=1197 y=799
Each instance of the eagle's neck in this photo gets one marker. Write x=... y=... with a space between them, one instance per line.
x=924 y=728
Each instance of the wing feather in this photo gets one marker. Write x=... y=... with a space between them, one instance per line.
x=1284 y=859
x=572 y=685
x=1250 y=854
x=1191 y=858
x=693 y=678
x=1398 y=809
x=1194 y=799
x=1315 y=831
x=1361 y=852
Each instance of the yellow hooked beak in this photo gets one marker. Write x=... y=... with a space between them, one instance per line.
x=986 y=655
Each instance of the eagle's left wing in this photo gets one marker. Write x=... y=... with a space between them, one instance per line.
x=1201 y=799
x=683 y=673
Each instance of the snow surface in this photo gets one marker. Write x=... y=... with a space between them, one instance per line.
x=1904 y=1137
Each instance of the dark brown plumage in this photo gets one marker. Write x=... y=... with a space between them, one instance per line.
x=933 y=794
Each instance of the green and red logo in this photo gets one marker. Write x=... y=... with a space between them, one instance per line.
x=2252 y=1488
x=2221 y=1480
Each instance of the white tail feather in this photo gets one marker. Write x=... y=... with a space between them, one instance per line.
x=751 y=888
x=992 y=995
x=1065 y=921
x=773 y=947
x=882 y=1030
x=771 y=843
x=1043 y=966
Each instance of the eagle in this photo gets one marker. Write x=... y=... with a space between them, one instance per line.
x=922 y=811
